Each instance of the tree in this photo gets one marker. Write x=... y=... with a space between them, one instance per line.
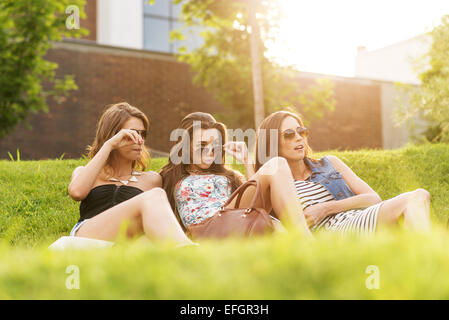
x=223 y=63
x=430 y=100
x=259 y=108
x=27 y=28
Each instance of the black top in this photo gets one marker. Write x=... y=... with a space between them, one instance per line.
x=103 y=197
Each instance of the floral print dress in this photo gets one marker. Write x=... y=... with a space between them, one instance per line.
x=199 y=197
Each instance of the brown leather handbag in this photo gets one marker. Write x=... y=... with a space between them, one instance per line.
x=238 y=222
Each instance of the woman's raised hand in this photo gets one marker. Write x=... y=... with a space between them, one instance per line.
x=238 y=150
x=125 y=137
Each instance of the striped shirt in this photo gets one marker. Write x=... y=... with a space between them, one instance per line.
x=360 y=221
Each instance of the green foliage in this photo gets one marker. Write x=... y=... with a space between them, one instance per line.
x=223 y=63
x=431 y=100
x=27 y=28
x=35 y=210
x=35 y=205
x=12 y=157
x=280 y=267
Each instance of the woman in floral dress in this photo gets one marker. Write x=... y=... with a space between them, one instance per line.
x=198 y=187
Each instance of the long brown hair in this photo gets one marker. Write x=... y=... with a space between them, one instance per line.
x=274 y=121
x=187 y=121
x=110 y=123
x=173 y=173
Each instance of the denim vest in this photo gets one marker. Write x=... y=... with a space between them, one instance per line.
x=324 y=173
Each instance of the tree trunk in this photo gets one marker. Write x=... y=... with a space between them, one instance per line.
x=259 y=109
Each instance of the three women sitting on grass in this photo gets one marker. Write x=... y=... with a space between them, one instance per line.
x=115 y=189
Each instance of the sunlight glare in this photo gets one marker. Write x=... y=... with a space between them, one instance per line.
x=322 y=36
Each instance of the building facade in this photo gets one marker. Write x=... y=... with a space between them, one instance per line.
x=138 y=24
x=111 y=65
x=397 y=62
x=400 y=62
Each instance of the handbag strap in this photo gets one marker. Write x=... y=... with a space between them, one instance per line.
x=240 y=190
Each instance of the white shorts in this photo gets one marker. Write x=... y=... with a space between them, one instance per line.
x=76 y=227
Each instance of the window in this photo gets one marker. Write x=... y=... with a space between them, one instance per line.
x=159 y=8
x=156 y=35
x=159 y=20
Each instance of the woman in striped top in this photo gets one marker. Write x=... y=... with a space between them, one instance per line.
x=333 y=197
x=360 y=221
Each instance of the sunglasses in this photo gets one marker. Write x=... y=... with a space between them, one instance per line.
x=142 y=133
x=291 y=133
x=205 y=149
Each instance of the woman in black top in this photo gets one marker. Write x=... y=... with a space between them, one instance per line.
x=111 y=189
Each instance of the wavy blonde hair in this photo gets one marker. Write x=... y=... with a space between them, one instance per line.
x=110 y=123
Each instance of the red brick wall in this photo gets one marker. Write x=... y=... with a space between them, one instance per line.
x=90 y=23
x=163 y=89
x=356 y=121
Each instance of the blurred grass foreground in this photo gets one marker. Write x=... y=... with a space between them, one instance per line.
x=35 y=210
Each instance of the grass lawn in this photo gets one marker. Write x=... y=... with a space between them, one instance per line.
x=35 y=210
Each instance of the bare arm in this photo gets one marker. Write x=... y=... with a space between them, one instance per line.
x=364 y=197
x=83 y=178
x=249 y=170
x=151 y=180
x=240 y=152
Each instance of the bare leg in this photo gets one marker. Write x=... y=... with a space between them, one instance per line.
x=276 y=181
x=414 y=206
x=149 y=213
x=278 y=227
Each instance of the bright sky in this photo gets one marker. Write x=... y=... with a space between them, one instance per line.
x=322 y=36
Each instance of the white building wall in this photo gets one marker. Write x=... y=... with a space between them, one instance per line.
x=400 y=62
x=120 y=23
x=393 y=63
x=392 y=135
